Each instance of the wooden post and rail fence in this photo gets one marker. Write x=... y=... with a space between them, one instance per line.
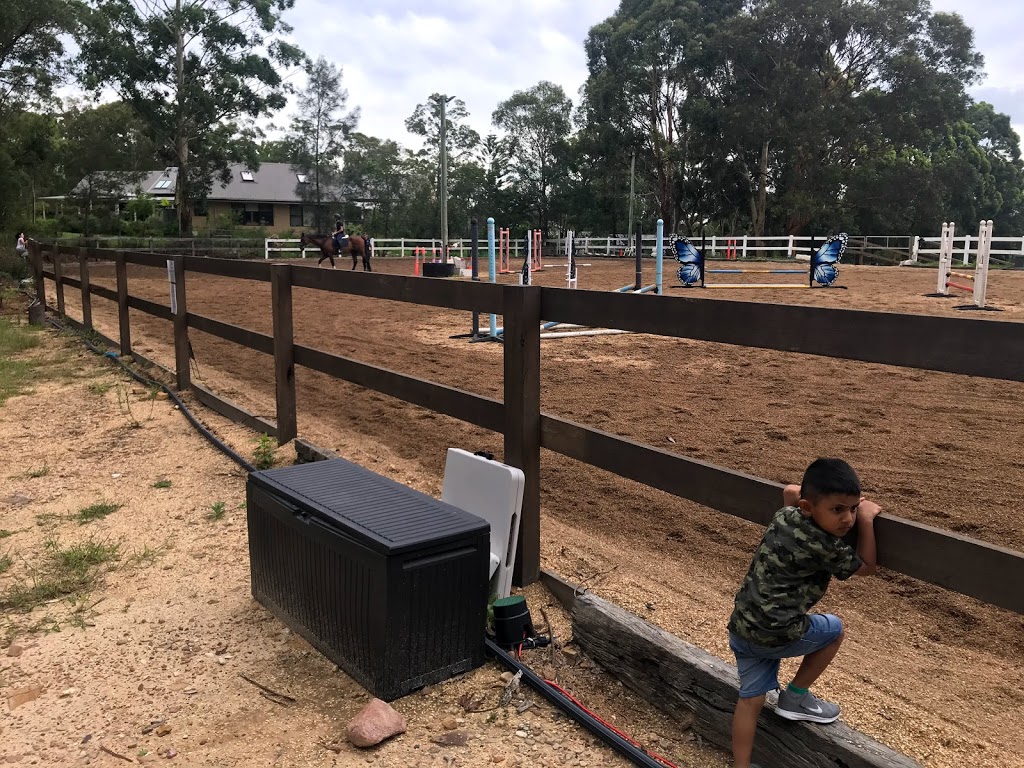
x=985 y=571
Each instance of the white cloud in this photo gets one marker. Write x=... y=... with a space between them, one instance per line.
x=395 y=54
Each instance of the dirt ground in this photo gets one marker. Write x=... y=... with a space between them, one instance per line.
x=935 y=675
x=162 y=640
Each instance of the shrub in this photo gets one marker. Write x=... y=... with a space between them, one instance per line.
x=12 y=265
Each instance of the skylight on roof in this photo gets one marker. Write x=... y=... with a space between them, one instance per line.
x=301 y=177
x=162 y=184
x=247 y=176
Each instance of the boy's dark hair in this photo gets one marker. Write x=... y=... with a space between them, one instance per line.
x=829 y=476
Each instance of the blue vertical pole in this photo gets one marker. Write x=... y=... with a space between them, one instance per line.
x=659 y=250
x=492 y=269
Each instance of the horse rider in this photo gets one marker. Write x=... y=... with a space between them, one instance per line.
x=339 y=236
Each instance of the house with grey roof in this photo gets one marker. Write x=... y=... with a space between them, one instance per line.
x=274 y=196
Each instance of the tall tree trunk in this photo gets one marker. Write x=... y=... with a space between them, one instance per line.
x=181 y=187
x=762 y=191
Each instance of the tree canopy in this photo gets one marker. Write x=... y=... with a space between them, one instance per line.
x=757 y=116
x=197 y=72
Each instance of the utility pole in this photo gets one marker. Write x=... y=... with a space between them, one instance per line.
x=444 y=175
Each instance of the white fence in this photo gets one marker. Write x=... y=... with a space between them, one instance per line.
x=1006 y=251
x=402 y=247
x=715 y=246
x=965 y=248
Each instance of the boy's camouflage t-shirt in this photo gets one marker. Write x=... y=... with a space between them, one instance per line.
x=789 y=574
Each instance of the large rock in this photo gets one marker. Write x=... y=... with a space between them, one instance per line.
x=376 y=722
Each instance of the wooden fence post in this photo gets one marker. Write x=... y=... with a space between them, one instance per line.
x=522 y=417
x=83 y=270
x=121 y=270
x=284 y=352
x=182 y=348
x=36 y=258
x=58 y=280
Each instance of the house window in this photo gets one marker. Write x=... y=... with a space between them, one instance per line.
x=200 y=208
x=301 y=177
x=302 y=216
x=258 y=214
x=247 y=176
x=162 y=184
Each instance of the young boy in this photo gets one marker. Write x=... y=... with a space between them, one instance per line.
x=801 y=551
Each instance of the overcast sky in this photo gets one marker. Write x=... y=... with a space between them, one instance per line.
x=395 y=53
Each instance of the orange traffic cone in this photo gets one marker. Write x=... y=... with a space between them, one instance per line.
x=416 y=266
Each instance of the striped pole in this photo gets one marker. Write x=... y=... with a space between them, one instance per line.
x=757 y=285
x=491 y=270
x=659 y=249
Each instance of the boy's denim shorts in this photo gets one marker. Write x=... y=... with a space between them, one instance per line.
x=758 y=665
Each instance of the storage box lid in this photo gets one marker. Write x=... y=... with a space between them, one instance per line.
x=386 y=516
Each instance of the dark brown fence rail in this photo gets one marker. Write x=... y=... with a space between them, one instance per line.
x=968 y=347
x=946 y=344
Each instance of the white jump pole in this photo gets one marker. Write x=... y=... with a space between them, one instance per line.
x=595 y=332
x=571 y=278
x=945 y=257
x=979 y=277
x=491 y=271
x=981 y=266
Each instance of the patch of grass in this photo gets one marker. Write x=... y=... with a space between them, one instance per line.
x=41 y=472
x=16 y=338
x=216 y=511
x=96 y=512
x=78 y=558
x=264 y=453
x=162 y=484
x=17 y=376
x=66 y=572
x=6 y=561
x=4 y=533
x=99 y=387
x=149 y=555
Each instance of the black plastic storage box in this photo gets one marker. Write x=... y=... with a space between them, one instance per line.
x=387 y=582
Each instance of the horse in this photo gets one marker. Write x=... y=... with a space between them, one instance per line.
x=358 y=246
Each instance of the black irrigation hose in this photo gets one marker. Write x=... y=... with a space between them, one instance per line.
x=611 y=738
x=212 y=438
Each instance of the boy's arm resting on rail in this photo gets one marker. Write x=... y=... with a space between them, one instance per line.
x=867 y=511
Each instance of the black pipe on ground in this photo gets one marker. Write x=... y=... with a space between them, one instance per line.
x=624 y=747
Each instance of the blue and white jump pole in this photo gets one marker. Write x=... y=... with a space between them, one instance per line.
x=492 y=270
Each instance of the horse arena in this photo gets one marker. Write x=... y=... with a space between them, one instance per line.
x=935 y=675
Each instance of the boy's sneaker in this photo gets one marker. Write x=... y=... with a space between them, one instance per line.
x=793 y=706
